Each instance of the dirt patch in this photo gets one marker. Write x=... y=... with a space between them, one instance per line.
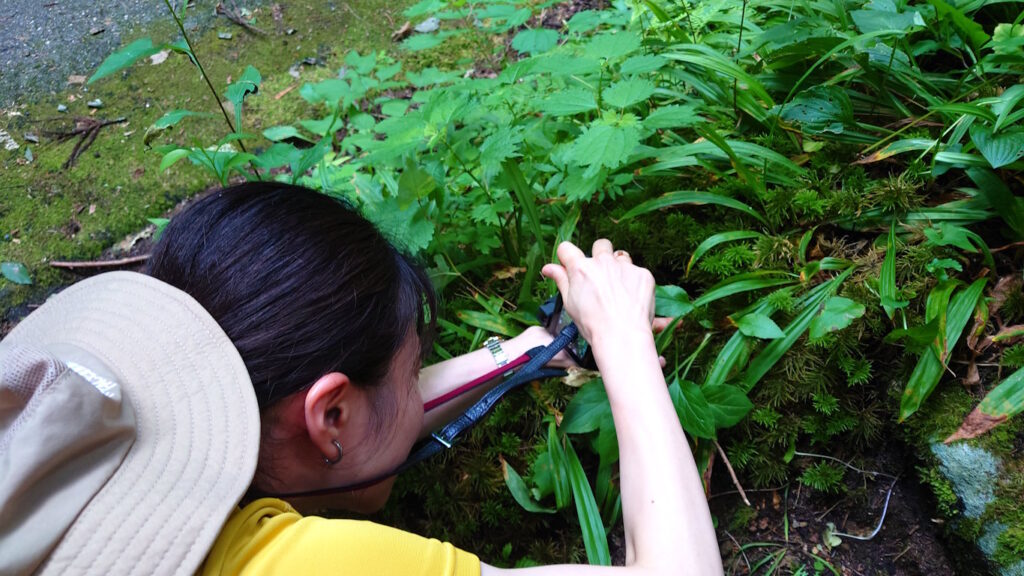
x=787 y=527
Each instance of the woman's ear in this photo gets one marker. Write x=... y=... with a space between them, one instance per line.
x=328 y=408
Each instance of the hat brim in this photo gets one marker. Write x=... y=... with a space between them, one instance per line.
x=198 y=432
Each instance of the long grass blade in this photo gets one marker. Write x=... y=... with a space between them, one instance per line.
x=595 y=540
x=929 y=367
x=681 y=197
x=743 y=283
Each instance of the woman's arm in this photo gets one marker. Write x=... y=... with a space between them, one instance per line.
x=441 y=378
x=667 y=522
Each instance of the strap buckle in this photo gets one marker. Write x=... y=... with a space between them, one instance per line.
x=440 y=440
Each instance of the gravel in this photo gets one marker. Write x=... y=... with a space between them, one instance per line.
x=42 y=42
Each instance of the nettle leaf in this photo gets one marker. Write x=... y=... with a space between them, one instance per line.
x=692 y=408
x=324 y=126
x=501 y=145
x=837 y=314
x=1000 y=149
x=414 y=183
x=728 y=403
x=642 y=63
x=759 y=326
x=675 y=116
x=490 y=212
x=362 y=64
x=125 y=57
x=602 y=144
x=430 y=76
x=568 y=102
x=612 y=45
x=15 y=272
x=626 y=93
x=535 y=41
x=671 y=301
x=277 y=155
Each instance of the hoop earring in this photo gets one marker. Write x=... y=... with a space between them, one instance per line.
x=335 y=460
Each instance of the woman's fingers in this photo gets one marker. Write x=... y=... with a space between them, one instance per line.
x=660 y=324
x=623 y=256
x=602 y=246
x=558 y=274
x=569 y=254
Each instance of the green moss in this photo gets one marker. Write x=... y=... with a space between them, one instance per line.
x=942 y=489
x=51 y=213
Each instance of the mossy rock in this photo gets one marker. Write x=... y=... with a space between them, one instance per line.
x=978 y=484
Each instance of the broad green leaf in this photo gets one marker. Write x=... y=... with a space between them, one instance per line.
x=671 y=302
x=729 y=404
x=520 y=492
x=612 y=45
x=1005 y=103
x=642 y=63
x=946 y=234
x=249 y=83
x=730 y=359
x=595 y=540
x=929 y=368
x=418 y=42
x=692 y=408
x=277 y=155
x=869 y=21
x=329 y=91
x=278 y=133
x=174 y=116
x=125 y=57
x=414 y=183
x=820 y=109
x=626 y=93
x=15 y=272
x=716 y=239
x=999 y=149
x=916 y=339
x=170 y=158
x=674 y=116
x=324 y=126
x=759 y=326
x=535 y=41
x=588 y=410
x=689 y=197
x=362 y=64
x=568 y=102
x=603 y=145
x=500 y=146
x=837 y=314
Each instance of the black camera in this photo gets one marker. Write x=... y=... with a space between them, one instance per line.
x=554 y=318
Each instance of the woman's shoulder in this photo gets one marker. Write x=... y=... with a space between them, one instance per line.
x=270 y=536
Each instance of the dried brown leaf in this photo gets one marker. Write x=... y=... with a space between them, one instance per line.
x=402 y=33
x=976 y=424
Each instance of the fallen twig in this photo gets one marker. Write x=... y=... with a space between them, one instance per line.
x=101 y=263
x=728 y=466
x=235 y=16
x=86 y=130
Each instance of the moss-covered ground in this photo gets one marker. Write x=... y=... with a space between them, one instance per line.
x=48 y=212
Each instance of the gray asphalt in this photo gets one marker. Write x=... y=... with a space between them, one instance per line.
x=42 y=42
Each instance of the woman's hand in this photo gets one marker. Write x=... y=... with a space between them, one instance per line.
x=605 y=294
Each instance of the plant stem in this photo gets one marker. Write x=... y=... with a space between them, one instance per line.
x=202 y=72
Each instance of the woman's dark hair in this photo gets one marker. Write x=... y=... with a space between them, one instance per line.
x=301 y=283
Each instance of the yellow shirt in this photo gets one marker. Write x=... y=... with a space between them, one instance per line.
x=269 y=537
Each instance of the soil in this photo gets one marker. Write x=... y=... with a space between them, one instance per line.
x=911 y=542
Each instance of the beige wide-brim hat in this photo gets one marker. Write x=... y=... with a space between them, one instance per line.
x=196 y=424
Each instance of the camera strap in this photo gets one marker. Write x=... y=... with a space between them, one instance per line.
x=531 y=367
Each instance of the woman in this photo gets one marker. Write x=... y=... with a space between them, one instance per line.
x=279 y=338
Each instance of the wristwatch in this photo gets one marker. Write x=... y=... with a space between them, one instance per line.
x=494 y=345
